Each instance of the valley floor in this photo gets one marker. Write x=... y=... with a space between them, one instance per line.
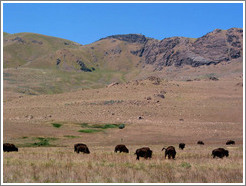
x=45 y=128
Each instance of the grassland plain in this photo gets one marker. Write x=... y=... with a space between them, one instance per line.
x=207 y=110
x=194 y=164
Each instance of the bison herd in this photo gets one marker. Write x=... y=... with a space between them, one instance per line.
x=144 y=152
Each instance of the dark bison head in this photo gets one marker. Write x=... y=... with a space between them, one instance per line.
x=149 y=153
x=182 y=146
x=226 y=152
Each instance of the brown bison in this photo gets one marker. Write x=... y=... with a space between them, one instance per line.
x=170 y=152
x=220 y=152
x=230 y=142
x=7 y=147
x=80 y=147
x=121 y=148
x=182 y=146
x=200 y=143
x=144 y=152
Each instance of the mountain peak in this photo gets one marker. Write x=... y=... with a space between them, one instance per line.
x=132 y=38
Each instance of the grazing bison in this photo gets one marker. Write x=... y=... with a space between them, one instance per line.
x=144 y=152
x=80 y=147
x=7 y=147
x=220 y=152
x=170 y=152
x=230 y=142
x=200 y=143
x=121 y=148
x=182 y=146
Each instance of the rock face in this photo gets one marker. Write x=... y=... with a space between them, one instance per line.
x=213 y=48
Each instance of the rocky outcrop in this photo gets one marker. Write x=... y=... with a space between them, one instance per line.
x=213 y=48
x=18 y=39
x=83 y=67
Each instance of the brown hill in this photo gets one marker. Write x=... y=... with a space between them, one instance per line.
x=56 y=65
x=121 y=52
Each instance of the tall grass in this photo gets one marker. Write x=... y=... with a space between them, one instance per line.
x=62 y=165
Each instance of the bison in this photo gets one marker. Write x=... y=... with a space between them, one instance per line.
x=182 y=146
x=7 y=147
x=200 y=143
x=230 y=142
x=121 y=148
x=170 y=152
x=80 y=147
x=144 y=152
x=220 y=152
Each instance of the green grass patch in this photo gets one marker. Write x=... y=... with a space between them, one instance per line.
x=70 y=136
x=89 y=130
x=102 y=126
x=56 y=125
x=42 y=142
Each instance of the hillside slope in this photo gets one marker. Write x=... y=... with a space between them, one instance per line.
x=121 y=52
x=42 y=64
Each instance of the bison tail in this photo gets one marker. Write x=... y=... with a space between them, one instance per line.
x=163 y=148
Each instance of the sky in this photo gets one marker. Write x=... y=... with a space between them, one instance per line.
x=88 y=22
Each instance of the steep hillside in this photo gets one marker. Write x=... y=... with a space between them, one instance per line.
x=57 y=65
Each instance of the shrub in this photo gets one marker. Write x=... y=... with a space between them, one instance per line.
x=56 y=125
x=121 y=126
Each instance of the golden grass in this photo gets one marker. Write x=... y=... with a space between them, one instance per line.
x=210 y=111
x=61 y=165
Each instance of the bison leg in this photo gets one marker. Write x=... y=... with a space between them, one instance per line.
x=137 y=157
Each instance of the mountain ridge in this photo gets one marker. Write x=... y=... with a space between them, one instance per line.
x=122 y=52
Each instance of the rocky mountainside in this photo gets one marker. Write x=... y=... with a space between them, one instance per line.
x=129 y=52
x=213 y=48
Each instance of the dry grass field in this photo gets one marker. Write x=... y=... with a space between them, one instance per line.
x=45 y=128
x=61 y=165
